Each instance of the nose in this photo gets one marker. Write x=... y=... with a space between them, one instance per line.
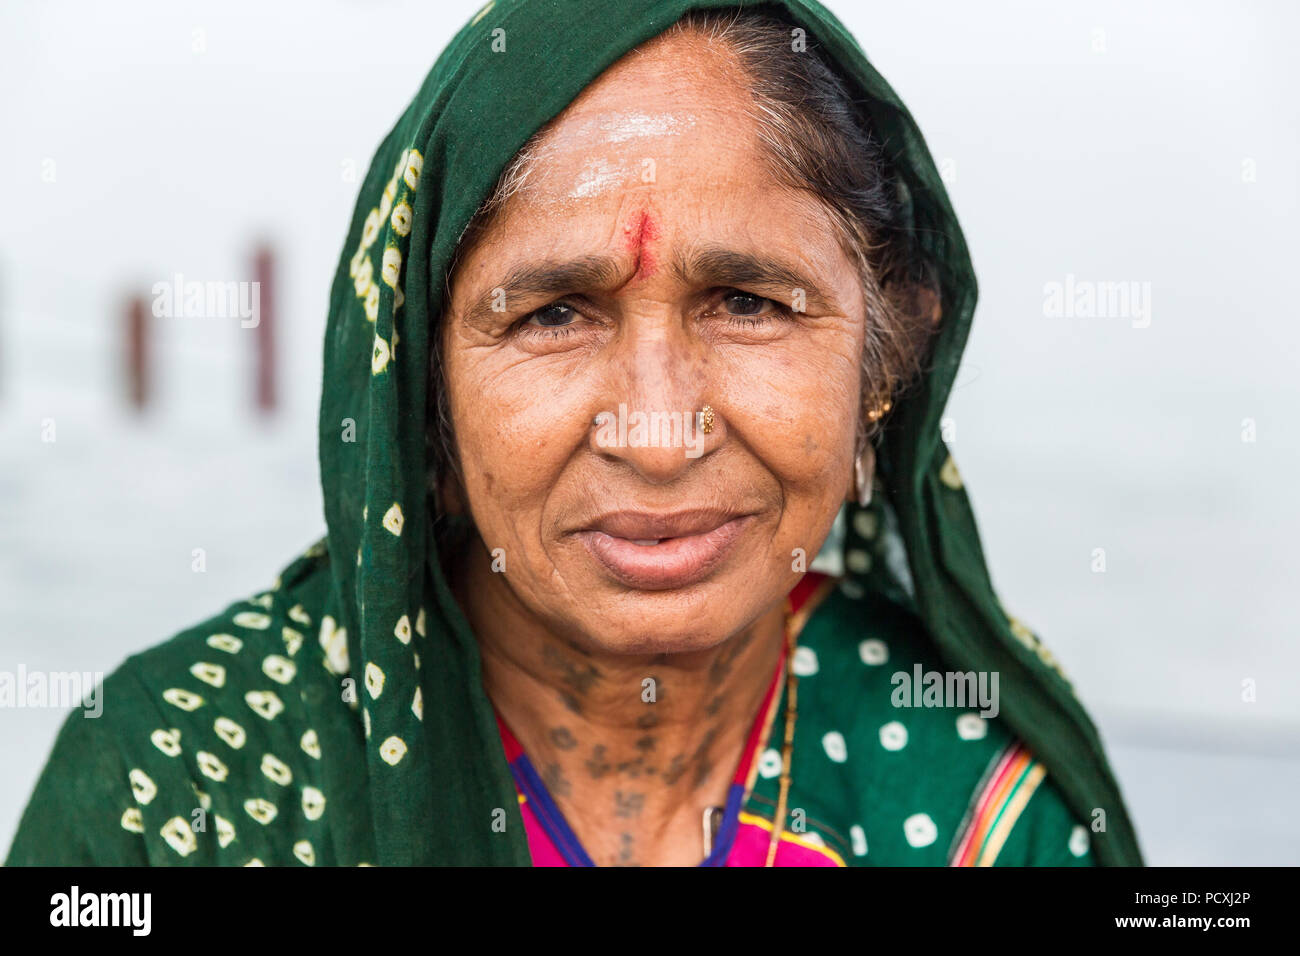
x=651 y=420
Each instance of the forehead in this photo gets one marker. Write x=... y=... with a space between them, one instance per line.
x=674 y=110
x=668 y=129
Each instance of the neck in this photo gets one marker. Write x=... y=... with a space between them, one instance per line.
x=632 y=748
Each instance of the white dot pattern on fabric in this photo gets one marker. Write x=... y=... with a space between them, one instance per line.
x=972 y=727
x=264 y=703
x=864 y=522
x=417 y=704
x=210 y=766
x=374 y=680
x=949 y=474
x=334 y=642
x=184 y=699
x=893 y=736
x=168 y=741
x=379 y=356
x=391 y=267
x=392 y=750
x=414 y=164
x=225 y=831
x=804 y=662
x=225 y=642
x=835 y=747
x=276 y=770
x=213 y=674
x=230 y=732
x=253 y=620
x=858 y=838
x=858 y=561
x=873 y=652
x=279 y=669
x=769 y=764
x=311 y=744
x=292 y=640
x=142 y=786
x=1079 y=840
x=263 y=811
x=403 y=629
x=133 y=820
x=313 y=803
x=304 y=851
x=393 y=519
x=851 y=589
x=179 y=836
x=919 y=830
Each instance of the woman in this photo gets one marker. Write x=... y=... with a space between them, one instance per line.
x=632 y=309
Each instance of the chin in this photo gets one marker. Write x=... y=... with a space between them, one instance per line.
x=682 y=621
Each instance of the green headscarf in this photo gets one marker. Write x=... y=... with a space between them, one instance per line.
x=435 y=781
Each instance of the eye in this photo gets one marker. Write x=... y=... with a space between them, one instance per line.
x=743 y=303
x=555 y=315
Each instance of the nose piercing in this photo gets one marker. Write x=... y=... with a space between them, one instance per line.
x=706 y=419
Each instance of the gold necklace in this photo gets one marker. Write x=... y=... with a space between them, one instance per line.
x=787 y=745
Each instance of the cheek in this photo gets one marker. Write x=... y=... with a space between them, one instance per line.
x=797 y=409
x=515 y=430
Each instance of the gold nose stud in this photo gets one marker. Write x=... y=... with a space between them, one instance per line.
x=706 y=419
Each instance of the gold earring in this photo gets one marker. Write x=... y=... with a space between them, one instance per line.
x=877 y=413
x=706 y=419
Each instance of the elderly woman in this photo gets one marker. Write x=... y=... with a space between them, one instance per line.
x=643 y=544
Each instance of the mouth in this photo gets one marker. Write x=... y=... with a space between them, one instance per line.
x=651 y=552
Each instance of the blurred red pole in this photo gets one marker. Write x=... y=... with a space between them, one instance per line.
x=264 y=276
x=137 y=352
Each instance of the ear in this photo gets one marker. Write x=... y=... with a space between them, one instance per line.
x=929 y=304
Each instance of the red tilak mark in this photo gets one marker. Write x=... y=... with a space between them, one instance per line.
x=640 y=231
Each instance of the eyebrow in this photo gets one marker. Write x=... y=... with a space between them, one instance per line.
x=718 y=266
x=706 y=266
x=547 y=279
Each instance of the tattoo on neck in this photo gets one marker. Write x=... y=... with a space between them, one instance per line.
x=555 y=780
x=628 y=804
x=597 y=765
x=562 y=738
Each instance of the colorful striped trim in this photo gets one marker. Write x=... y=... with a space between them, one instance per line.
x=1000 y=798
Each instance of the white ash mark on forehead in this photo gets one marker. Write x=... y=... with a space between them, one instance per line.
x=597 y=177
x=620 y=127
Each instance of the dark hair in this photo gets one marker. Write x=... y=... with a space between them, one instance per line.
x=818 y=139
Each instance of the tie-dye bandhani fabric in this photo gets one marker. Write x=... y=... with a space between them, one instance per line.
x=340 y=717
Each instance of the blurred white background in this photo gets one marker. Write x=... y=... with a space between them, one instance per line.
x=1111 y=141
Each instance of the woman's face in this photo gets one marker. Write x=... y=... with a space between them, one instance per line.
x=650 y=265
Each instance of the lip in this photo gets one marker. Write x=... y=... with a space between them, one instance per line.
x=690 y=544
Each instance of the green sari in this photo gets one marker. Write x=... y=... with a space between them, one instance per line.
x=340 y=718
